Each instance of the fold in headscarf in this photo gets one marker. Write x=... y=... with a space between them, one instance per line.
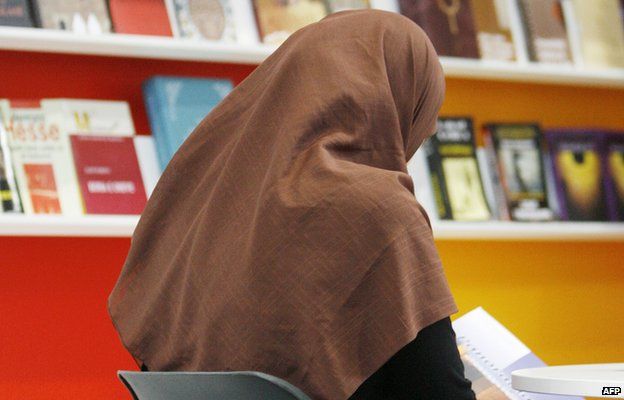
x=284 y=235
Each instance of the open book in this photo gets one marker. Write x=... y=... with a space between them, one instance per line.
x=490 y=353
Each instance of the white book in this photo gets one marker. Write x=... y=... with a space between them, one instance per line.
x=418 y=169
x=148 y=162
x=490 y=352
x=89 y=116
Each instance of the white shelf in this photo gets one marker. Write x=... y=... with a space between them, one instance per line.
x=137 y=46
x=496 y=230
x=123 y=226
x=57 y=225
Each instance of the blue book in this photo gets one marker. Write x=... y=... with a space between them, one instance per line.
x=175 y=106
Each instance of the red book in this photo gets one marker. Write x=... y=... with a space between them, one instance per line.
x=141 y=17
x=109 y=174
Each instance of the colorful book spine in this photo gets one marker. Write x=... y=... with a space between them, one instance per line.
x=9 y=194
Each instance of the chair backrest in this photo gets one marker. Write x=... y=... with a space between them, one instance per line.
x=235 y=385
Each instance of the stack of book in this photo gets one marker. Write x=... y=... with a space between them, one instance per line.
x=520 y=173
x=581 y=32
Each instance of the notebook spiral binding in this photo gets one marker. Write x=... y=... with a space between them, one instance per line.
x=489 y=370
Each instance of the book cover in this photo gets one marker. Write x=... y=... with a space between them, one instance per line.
x=277 y=19
x=454 y=172
x=15 y=13
x=490 y=353
x=176 y=105
x=493 y=24
x=38 y=154
x=93 y=116
x=517 y=152
x=575 y=157
x=9 y=194
x=80 y=16
x=601 y=32
x=448 y=23
x=109 y=174
x=140 y=17
x=547 y=37
x=341 y=5
x=615 y=175
x=207 y=19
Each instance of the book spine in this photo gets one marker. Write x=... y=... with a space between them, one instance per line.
x=153 y=112
x=9 y=195
x=438 y=184
x=495 y=174
x=419 y=171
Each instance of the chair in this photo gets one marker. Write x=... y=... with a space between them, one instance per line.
x=235 y=385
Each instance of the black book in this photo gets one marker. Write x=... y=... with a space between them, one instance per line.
x=454 y=172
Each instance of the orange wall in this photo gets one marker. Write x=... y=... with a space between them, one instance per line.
x=56 y=341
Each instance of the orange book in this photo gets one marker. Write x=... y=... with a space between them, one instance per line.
x=140 y=17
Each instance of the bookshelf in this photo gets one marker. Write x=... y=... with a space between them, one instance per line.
x=123 y=226
x=164 y=48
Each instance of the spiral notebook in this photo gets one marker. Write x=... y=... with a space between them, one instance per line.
x=490 y=352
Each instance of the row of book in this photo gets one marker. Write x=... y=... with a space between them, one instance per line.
x=581 y=32
x=520 y=173
x=73 y=157
x=77 y=156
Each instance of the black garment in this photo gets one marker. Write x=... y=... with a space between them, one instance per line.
x=428 y=368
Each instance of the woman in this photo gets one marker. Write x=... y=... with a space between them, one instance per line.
x=284 y=236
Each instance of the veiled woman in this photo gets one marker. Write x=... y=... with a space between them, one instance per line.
x=284 y=235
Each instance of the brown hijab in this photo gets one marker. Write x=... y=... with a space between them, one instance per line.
x=284 y=235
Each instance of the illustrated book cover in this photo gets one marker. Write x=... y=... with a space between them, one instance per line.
x=277 y=19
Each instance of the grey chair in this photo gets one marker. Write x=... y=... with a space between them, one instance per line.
x=236 y=385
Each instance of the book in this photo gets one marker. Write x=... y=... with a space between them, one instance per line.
x=148 y=162
x=341 y=5
x=109 y=174
x=545 y=29
x=79 y=16
x=140 y=17
x=418 y=170
x=601 y=32
x=454 y=172
x=176 y=105
x=490 y=353
x=615 y=175
x=515 y=151
x=204 y=19
x=9 y=195
x=35 y=152
x=15 y=13
x=277 y=19
x=493 y=25
x=575 y=158
x=92 y=116
x=448 y=23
